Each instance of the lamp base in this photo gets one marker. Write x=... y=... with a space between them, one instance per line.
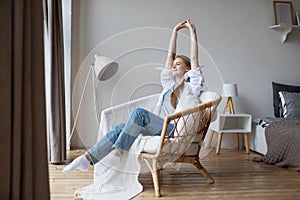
x=230 y=104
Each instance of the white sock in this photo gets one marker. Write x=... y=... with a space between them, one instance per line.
x=79 y=163
x=111 y=160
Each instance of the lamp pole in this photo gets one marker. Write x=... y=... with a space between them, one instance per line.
x=79 y=106
x=103 y=68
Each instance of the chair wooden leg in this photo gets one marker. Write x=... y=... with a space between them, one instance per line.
x=155 y=177
x=203 y=171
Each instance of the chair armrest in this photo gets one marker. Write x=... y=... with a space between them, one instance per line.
x=120 y=113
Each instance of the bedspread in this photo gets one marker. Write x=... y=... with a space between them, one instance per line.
x=283 y=139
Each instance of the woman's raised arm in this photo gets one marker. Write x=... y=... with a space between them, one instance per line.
x=172 y=44
x=194 y=45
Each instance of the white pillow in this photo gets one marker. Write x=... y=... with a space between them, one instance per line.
x=290 y=104
x=151 y=143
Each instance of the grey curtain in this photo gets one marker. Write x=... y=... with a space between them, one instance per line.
x=23 y=150
x=55 y=87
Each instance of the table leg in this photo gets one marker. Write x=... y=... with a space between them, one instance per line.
x=237 y=142
x=246 y=142
x=219 y=143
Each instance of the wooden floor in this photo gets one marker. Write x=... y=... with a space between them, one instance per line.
x=236 y=177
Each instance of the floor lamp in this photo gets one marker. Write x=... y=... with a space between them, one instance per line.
x=103 y=69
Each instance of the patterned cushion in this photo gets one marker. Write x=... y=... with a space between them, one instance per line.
x=291 y=104
x=277 y=87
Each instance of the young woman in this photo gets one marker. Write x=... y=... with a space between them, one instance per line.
x=181 y=74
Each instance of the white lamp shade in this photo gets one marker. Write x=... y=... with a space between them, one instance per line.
x=230 y=90
x=104 y=67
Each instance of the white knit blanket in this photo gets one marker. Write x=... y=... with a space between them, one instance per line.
x=120 y=182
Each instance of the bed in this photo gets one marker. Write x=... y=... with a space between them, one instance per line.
x=277 y=138
x=257 y=140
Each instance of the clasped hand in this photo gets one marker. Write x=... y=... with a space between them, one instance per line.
x=185 y=24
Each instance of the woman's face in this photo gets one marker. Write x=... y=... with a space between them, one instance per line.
x=179 y=68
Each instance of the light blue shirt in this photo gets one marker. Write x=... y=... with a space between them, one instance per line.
x=195 y=86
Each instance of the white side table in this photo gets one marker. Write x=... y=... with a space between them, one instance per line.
x=231 y=123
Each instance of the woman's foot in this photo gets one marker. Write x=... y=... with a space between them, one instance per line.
x=80 y=163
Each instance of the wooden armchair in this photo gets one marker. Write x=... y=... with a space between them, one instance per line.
x=191 y=126
x=183 y=146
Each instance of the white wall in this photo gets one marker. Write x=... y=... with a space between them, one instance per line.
x=236 y=46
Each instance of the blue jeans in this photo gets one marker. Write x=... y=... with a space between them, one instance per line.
x=123 y=135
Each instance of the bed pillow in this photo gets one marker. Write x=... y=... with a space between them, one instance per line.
x=277 y=87
x=290 y=102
